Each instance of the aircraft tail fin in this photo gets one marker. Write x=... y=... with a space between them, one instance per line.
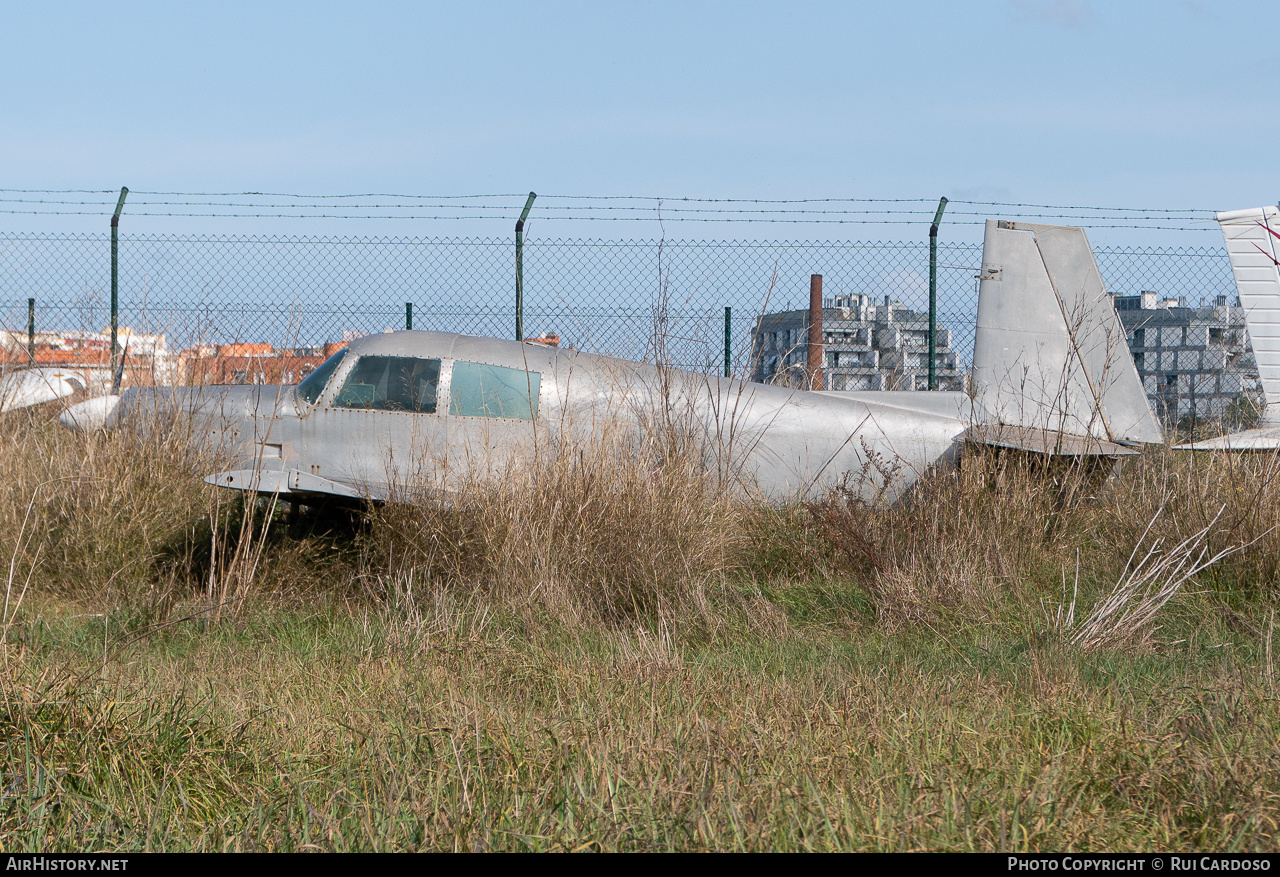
x=1050 y=352
x=1253 y=244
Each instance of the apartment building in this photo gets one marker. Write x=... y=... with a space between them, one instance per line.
x=1195 y=362
x=866 y=346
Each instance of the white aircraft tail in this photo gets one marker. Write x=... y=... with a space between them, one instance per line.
x=1253 y=244
x=1252 y=237
x=1050 y=354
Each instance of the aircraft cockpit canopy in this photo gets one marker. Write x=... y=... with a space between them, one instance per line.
x=391 y=383
x=313 y=384
x=412 y=384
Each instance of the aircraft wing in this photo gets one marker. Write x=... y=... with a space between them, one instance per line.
x=289 y=484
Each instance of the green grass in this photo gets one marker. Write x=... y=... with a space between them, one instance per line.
x=332 y=731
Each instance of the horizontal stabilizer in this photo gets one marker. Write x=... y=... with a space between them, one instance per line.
x=1266 y=438
x=1041 y=441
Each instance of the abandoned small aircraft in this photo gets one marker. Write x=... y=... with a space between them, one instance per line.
x=22 y=388
x=1052 y=375
x=1252 y=237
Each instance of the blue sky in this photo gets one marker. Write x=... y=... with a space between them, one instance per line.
x=1060 y=102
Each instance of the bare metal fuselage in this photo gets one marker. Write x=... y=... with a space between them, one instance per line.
x=776 y=442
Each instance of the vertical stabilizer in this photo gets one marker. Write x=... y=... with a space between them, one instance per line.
x=1050 y=351
x=1254 y=249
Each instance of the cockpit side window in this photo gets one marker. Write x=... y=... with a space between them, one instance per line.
x=391 y=383
x=313 y=384
x=479 y=390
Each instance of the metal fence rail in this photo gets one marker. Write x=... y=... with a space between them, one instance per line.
x=625 y=298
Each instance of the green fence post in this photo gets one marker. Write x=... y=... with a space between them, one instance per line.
x=933 y=295
x=728 y=315
x=115 y=279
x=408 y=315
x=520 y=266
x=31 y=331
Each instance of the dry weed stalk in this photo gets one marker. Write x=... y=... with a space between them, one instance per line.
x=230 y=584
x=1269 y=670
x=415 y=623
x=644 y=654
x=1121 y=618
x=11 y=613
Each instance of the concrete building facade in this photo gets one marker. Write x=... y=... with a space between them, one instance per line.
x=866 y=346
x=1194 y=362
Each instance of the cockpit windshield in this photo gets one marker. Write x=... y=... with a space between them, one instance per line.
x=313 y=385
x=391 y=383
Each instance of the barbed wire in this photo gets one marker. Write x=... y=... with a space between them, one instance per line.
x=648 y=212
x=855 y=211
x=602 y=198
x=588 y=219
x=656 y=199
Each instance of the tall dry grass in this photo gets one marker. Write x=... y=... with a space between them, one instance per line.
x=628 y=527
x=1193 y=489
x=1004 y=529
x=100 y=518
x=638 y=526
x=961 y=544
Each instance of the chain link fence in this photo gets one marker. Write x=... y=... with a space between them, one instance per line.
x=633 y=299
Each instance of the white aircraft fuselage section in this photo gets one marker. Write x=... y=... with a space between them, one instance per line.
x=22 y=388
